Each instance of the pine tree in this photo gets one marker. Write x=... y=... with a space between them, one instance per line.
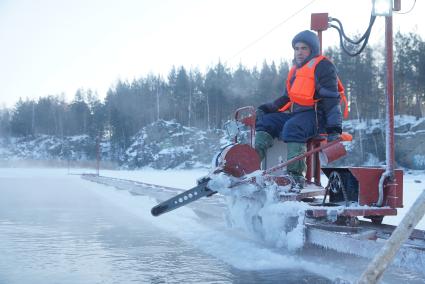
x=217 y=87
x=22 y=122
x=407 y=84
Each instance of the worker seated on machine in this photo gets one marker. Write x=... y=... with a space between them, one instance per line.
x=309 y=106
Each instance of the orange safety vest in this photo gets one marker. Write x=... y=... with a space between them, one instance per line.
x=304 y=86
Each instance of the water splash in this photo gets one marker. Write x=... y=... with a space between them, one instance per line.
x=257 y=210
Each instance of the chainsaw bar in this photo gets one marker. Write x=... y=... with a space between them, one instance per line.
x=183 y=198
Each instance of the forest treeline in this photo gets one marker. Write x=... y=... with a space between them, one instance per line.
x=207 y=100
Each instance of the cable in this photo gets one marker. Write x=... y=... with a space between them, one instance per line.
x=270 y=31
x=344 y=48
x=371 y=22
x=343 y=36
x=364 y=38
x=410 y=10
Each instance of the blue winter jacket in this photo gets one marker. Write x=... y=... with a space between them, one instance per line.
x=328 y=110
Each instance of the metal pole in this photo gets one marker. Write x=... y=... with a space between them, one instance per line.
x=397 y=5
x=319 y=34
x=390 y=93
x=313 y=161
x=388 y=175
x=97 y=155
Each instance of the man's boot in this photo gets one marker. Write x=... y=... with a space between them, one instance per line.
x=296 y=169
x=263 y=141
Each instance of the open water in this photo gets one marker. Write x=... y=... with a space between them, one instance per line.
x=62 y=229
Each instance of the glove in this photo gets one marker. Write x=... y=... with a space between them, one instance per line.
x=264 y=109
x=261 y=110
x=268 y=108
x=333 y=136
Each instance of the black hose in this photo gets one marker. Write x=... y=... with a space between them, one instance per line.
x=366 y=34
x=343 y=36
x=344 y=48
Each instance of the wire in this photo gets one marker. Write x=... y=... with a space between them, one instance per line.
x=371 y=22
x=410 y=10
x=344 y=48
x=270 y=31
x=343 y=36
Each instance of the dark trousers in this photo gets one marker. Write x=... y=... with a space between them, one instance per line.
x=289 y=127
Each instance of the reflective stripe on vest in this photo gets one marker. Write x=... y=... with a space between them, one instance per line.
x=303 y=87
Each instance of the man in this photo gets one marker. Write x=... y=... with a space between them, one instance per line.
x=309 y=106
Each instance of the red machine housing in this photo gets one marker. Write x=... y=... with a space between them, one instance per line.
x=362 y=186
x=238 y=160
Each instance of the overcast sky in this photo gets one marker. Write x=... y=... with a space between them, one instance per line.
x=49 y=47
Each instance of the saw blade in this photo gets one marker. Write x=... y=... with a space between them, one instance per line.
x=183 y=199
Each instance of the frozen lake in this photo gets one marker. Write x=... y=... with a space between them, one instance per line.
x=58 y=228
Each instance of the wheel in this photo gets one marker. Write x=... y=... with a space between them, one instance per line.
x=335 y=182
x=337 y=188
